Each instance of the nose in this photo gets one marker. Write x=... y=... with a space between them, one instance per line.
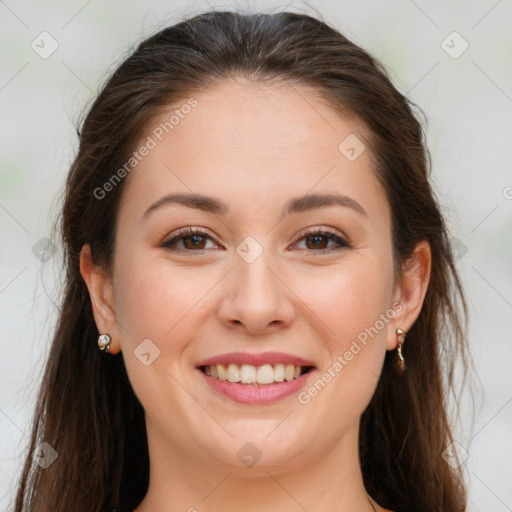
x=256 y=298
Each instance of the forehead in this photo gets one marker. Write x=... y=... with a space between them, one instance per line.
x=253 y=145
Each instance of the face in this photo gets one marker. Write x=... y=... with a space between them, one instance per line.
x=310 y=281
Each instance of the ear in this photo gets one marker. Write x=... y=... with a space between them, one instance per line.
x=100 y=289
x=410 y=291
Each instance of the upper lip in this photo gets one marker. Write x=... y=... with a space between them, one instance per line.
x=255 y=359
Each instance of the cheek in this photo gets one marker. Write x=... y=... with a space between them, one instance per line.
x=160 y=303
x=143 y=305
x=351 y=305
x=153 y=297
x=349 y=299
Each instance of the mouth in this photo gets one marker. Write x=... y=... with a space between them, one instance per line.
x=250 y=375
x=256 y=378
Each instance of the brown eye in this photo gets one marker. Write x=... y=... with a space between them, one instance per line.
x=317 y=242
x=193 y=242
x=190 y=239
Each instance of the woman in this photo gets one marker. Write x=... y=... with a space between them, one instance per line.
x=261 y=308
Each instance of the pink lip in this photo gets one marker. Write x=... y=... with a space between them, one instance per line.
x=254 y=395
x=255 y=359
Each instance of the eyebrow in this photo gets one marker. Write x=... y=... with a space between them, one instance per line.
x=293 y=206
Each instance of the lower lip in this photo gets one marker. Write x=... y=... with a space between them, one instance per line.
x=245 y=394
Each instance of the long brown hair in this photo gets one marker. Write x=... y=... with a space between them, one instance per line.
x=87 y=410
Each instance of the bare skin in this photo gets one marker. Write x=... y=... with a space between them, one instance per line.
x=254 y=148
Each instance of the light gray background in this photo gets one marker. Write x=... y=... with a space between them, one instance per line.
x=468 y=103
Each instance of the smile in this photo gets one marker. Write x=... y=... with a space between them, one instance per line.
x=247 y=374
x=256 y=378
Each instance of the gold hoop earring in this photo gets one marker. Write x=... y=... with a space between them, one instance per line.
x=104 y=341
x=401 y=334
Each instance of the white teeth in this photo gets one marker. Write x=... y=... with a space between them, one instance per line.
x=289 y=372
x=249 y=374
x=223 y=374
x=265 y=374
x=279 y=372
x=233 y=373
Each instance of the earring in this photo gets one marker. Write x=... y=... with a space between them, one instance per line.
x=104 y=342
x=401 y=338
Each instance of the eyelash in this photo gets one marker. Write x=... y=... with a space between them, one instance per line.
x=308 y=233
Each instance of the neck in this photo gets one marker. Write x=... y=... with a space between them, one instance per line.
x=328 y=481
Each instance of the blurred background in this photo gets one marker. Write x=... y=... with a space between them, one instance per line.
x=452 y=58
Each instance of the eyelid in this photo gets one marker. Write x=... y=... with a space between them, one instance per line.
x=339 y=238
x=187 y=232
x=318 y=230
